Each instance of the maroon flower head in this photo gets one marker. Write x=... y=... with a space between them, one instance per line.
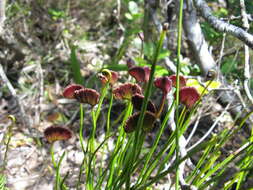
x=141 y=74
x=137 y=101
x=108 y=76
x=130 y=63
x=126 y=91
x=164 y=83
x=114 y=77
x=188 y=96
x=56 y=133
x=69 y=91
x=87 y=95
x=182 y=81
x=148 y=122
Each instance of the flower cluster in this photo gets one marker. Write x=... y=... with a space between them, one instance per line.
x=130 y=92
x=188 y=96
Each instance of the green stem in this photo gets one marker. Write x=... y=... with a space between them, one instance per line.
x=54 y=163
x=108 y=123
x=52 y=155
x=58 y=177
x=81 y=129
x=119 y=143
x=179 y=39
x=146 y=170
x=82 y=146
x=103 y=94
x=139 y=136
x=93 y=133
x=146 y=97
x=8 y=136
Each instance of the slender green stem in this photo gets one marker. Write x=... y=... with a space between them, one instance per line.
x=119 y=143
x=52 y=155
x=82 y=146
x=58 y=177
x=81 y=129
x=139 y=136
x=8 y=136
x=103 y=94
x=90 y=150
x=54 y=163
x=93 y=133
x=147 y=95
x=179 y=39
x=145 y=169
x=108 y=123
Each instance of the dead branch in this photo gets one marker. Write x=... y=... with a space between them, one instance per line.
x=222 y=26
x=2 y=15
x=246 y=54
x=196 y=40
x=23 y=115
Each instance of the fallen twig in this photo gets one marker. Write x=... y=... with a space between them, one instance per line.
x=24 y=117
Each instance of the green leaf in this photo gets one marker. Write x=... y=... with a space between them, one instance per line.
x=3 y=182
x=141 y=61
x=164 y=53
x=148 y=49
x=161 y=71
x=128 y=16
x=117 y=67
x=75 y=66
x=229 y=66
x=133 y=7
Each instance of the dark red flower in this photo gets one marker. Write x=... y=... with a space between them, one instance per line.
x=141 y=74
x=182 y=81
x=148 y=122
x=56 y=133
x=108 y=76
x=126 y=91
x=114 y=77
x=164 y=83
x=137 y=101
x=69 y=91
x=87 y=95
x=188 y=96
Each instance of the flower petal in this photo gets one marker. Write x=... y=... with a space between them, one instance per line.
x=188 y=96
x=87 y=95
x=182 y=81
x=126 y=91
x=108 y=76
x=148 y=122
x=69 y=91
x=137 y=101
x=56 y=133
x=141 y=74
x=164 y=83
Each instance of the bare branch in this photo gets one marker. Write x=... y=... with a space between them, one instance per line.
x=246 y=54
x=210 y=130
x=196 y=40
x=222 y=26
x=2 y=14
x=6 y=81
